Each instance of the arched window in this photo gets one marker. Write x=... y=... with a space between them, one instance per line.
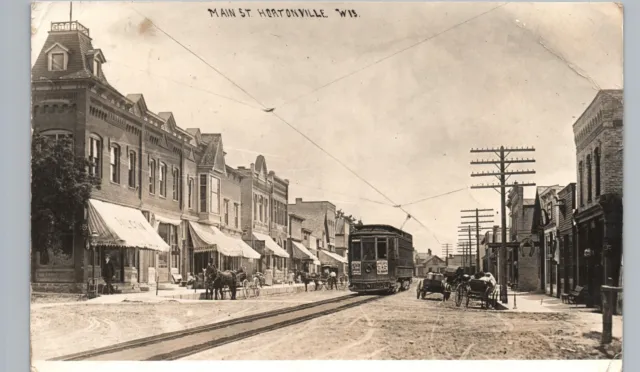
x=114 y=163
x=589 y=178
x=95 y=152
x=57 y=134
x=581 y=183
x=596 y=159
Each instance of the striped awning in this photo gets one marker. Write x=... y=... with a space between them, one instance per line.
x=209 y=238
x=271 y=245
x=121 y=226
x=330 y=256
x=247 y=251
x=301 y=252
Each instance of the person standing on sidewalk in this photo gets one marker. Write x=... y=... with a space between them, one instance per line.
x=333 y=280
x=108 y=273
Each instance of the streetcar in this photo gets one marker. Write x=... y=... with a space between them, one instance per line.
x=381 y=259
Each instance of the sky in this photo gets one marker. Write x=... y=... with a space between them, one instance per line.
x=375 y=111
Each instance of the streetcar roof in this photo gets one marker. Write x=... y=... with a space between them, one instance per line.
x=377 y=229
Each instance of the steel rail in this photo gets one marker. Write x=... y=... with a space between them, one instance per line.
x=157 y=339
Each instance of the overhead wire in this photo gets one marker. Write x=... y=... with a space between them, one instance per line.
x=271 y=110
x=390 y=56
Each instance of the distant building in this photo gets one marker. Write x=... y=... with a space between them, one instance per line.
x=548 y=204
x=567 y=266
x=320 y=218
x=522 y=259
x=265 y=218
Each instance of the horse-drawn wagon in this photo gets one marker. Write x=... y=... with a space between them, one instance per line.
x=433 y=283
x=483 y=290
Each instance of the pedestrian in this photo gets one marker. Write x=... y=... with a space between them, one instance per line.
x=333 y=280
x=108 y=272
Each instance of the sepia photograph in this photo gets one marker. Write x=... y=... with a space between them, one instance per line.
x=326 y=181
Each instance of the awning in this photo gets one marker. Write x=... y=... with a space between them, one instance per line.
x=209 y=238
x=304 y=253
x=167 y=220
x=247 y=251
x=271 y=245
x=123 y=226
x=332 y=256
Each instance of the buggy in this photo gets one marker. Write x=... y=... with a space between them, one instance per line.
x=478 y=290
x=433 y=283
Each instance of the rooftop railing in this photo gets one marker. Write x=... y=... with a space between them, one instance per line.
x=69 y=26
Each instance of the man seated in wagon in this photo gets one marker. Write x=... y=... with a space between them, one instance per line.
x=488 y=277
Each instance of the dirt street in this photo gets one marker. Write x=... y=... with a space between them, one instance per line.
x=64 y=328
x=402 y=327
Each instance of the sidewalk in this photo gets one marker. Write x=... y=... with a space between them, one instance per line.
x=540 y=303
x=185 y=294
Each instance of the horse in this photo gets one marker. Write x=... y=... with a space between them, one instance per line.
x=209 y=277
x=224 y=279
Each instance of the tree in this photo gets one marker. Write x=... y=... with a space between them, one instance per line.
x=60 y=188
x=350 y=219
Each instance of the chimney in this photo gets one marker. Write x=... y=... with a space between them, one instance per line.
x=298 y=200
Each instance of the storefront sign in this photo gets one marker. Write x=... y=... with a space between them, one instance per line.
x=356 y=268
x=382 y=267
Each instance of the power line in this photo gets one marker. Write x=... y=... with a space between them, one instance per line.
x=270 y=110
x=390 y=56
x=502 y=174
x=187 y=85
x=200 y=58
x=431 y=197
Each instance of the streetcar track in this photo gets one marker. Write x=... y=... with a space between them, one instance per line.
x=101 y=353
x=184 y=352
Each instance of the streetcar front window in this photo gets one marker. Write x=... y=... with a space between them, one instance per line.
x=368 y=250
x=356 y=251
x=382 y=248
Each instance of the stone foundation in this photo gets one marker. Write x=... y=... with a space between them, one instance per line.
x=59 y=287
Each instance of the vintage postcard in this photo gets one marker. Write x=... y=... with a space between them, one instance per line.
x=326 y=181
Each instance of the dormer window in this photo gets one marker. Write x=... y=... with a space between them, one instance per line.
x=96 y=67
x=58 y=57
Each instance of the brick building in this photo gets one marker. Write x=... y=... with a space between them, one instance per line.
x=265 y=218
x=320 y=218
x=598 y=135
x=156 y=178
x=523 y=259
x=567 y=266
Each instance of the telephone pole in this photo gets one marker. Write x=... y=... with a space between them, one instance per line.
x=478 y=228
x=503 y=174
x=446 y=246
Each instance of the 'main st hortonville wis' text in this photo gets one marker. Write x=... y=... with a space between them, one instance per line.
x=279 y=13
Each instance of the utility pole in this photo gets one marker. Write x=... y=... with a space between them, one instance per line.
x=478 y=228
x=503 y=174
x=446 y=252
